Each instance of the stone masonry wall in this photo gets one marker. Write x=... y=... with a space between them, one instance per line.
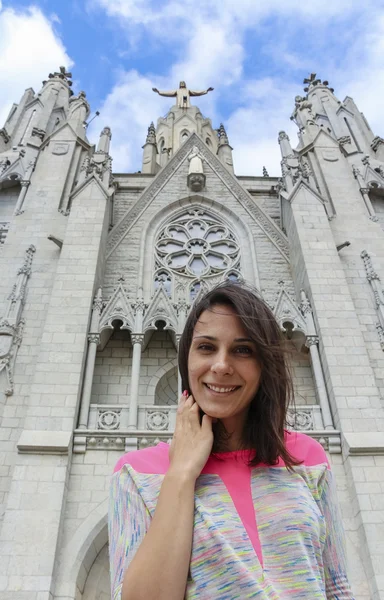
x=124 y=260
x=8 y=199
x=111 y=381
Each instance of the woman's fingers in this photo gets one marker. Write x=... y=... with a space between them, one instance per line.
x=206 y=423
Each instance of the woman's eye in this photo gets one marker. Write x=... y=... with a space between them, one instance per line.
x=205 y=347
x=243 y=350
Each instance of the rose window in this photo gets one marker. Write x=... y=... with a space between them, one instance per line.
x=197 y=246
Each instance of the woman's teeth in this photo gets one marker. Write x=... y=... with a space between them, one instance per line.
x=215 y=388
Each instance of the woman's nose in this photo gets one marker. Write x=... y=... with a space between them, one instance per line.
x=222 y=366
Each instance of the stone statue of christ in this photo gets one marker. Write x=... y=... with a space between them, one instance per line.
x=183 y=94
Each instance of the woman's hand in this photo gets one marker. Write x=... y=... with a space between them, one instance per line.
x=192 y=442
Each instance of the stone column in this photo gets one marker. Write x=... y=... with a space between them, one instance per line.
x=182 y=314
x=179 y=382
x=94 y=340
x=20 y=201
x=24 y=187
x=137 y=341
x=312 y=343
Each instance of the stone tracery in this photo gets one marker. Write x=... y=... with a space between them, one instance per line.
x=196 y=244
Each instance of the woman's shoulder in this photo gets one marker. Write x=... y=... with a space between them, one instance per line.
x=305 y=448
x=153 y=460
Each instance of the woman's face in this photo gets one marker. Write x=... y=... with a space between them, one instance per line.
x=224 y=373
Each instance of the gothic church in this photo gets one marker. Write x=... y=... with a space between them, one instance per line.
x=98 y=272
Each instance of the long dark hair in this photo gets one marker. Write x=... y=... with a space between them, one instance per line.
x=264 y=429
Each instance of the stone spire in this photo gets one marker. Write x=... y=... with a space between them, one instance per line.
x=78 y=113
x=265 y=172
x=224 y=151
x=320 y=109
x=55 y=92
x=151 y=135
x=222 y=134
x=150 y=151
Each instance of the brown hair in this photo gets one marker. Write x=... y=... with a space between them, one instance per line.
x=264 y=428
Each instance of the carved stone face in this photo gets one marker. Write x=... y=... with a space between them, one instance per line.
x=182 y=84
x=196 y=182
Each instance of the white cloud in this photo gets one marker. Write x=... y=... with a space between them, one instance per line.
x=29 y=50
x=253 y=128
x=364 y=79
x=128 y=110
x=210 y=38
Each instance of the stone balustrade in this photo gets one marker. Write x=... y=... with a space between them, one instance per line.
x=108 y=427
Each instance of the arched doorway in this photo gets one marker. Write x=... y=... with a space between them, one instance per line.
x=98 y=584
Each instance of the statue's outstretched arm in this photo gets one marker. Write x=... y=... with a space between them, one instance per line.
x=168 y=94
x=202 y=93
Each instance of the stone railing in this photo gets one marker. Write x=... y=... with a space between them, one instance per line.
x=108 y=427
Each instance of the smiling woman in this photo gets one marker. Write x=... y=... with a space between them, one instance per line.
x=231 y=337
x=237 y=507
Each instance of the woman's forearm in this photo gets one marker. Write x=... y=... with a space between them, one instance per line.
x=159 y=569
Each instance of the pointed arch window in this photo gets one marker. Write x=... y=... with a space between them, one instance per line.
x=194 y=290
x=184 y=135
x=164 y=278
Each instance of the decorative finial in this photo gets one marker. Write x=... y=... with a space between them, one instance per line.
x=283 y=136
x=223 y=138
x=312 y=82
x=265 y=172
x=151 y=135
x=62 y=74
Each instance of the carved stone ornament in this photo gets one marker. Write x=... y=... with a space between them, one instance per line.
x=12 y=325
x=157 y=420
x=300 y=420
x=60 y=148
x=380 y=332
x=376 y=142
x=378 y=294
x=196 y=177
x=305 y=306
x=196 y=182
x=311 y=340
x=4 y=164
x=94 y=338
x=345 y=139
x=98 y=164
x=40 y=133
x=356 y=171
x=4 y=135
x=137 y=338
x=283 y=136
x=109 y=419
x=331 y=154
x=98 y=302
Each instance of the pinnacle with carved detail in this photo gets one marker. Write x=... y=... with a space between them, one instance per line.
x=312 y=81
x=223 y=138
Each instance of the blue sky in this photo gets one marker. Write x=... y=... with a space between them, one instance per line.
x=254 y=53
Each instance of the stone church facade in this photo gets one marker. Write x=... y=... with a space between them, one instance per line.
x=98 y=272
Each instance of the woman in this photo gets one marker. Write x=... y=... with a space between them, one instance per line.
x=236 y=507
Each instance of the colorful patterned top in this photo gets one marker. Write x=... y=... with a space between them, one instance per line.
x=259 y=532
